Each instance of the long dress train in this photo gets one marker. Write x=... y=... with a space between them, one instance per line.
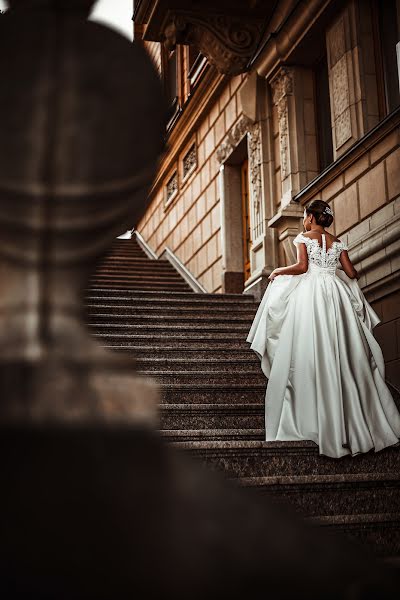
x=325 y=370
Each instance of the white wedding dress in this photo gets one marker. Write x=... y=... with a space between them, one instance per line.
x=325 y=370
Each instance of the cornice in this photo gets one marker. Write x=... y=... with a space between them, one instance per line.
x=279 y=45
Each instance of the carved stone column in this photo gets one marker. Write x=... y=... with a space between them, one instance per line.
x=256 y=104
x=294 y=105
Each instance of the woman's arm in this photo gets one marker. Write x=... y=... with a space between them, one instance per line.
x=347 y=265
x=298 y=268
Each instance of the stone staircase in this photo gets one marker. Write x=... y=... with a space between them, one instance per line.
x=213 y=397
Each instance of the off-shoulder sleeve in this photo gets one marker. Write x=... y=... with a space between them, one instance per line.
x=300 y=239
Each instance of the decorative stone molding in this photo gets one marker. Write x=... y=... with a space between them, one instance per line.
x=189 y=161
x=227 y=42
x=282 y=87
x=171 y=187
x=253 y=131
x=234 y=136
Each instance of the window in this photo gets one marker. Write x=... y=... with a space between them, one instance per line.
x=386 y=21
x=171 y=188
x=189 y=162
x=323 y=113
x=171 y=81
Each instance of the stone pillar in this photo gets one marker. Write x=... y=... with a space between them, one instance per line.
x=256 y=105
x=349 y=109
x=231 y=229
x=294 y=103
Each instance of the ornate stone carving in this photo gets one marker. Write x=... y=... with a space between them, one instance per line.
x=255 y=159
x=189 y=162
x=233 y=138
x=337 y=42
x=171 y=187
x=339 y=82
x=340 y=87
x=343 y=130
x=228 y=43
x=282 y=87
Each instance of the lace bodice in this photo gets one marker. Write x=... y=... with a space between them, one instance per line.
x=319 y=256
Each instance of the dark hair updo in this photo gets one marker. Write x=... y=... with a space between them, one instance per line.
x=321 y=212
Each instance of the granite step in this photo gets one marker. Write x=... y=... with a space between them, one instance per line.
x=188 y=435
x=376 y=533
x=171 y=352
x=235 y=330
x=119 y=253
x=138 y=269
x=264 y=459
x=125 y=285
x=152 y=364
x=344 y=493
x=210 y=341
x=132 y=317
x=225 y=393
x=143 y=275
x=210 y=380
x=211 y=416
x=174 y=312
x=170 y=280
x=189 y=297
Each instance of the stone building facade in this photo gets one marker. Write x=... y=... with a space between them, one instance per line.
x=271 y=106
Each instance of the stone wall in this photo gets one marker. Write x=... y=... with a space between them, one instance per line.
x=190 y=223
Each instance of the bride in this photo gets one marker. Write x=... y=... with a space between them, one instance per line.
x=313 y=335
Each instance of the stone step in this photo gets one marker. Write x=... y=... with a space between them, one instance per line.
x=126 y=285
x=96 y=293
x=133 y=274
x=171 y=353
x=156 y=281
x=236 y=330
x=210 y=379
x=210 y=341
x=344 y=493
x=173 y=312
x=139 y=270
x=264 y=459
x=211 y=416
x=193 y=365
x=224 y=393
x=187 y=435
x=126 y=253
x=175 y=319
x=377 y=533
x=133 y=264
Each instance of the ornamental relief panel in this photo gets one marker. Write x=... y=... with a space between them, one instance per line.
x=340 y=87
x=339 y=82
x=336 y=42
x=343 y=130
x=282 y=87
